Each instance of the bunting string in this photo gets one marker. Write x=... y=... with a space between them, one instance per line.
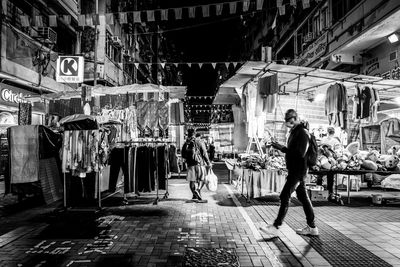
x=189 y=64
x=200 y=97
x=157 y=15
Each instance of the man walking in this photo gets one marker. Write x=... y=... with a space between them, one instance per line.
x=195 y=153
x=296 y=164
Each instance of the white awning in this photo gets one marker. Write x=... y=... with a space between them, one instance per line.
x=310 y=78
x=175 y=91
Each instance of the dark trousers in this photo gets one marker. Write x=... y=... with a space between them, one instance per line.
x=292 y=184
x=118 y=159
x=330 y=177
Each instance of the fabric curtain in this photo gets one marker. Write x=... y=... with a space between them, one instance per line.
x=24 y=154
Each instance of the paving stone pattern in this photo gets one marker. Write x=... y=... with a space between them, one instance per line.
x=336 y=247
x=209 y=257
x=142 y=234
x=148 y=235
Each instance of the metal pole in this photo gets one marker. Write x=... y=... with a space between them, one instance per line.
x=95 y=47
x=297 y=93
x=134 y=46
x=65 y=191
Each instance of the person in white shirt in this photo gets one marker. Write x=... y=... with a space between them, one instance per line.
x=334 y=143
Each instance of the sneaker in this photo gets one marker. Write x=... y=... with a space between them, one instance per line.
x=308 y=231
x=270 y=230
x=197 y=194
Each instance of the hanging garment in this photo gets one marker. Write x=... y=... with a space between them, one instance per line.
x=80 y=152
x=393 y=129
x=259 y=103
x=119 y=159
x=86 y=109
x=268 y=85
x=375 y=106
x=162 y=166
x=144 y=169
x=24 y=153
x=355 y=116
x=366 y=96
x=238 y=114
x=25 y=114
x=336 y=105
x=270 y=103
x=251 y=108
x=173 y=159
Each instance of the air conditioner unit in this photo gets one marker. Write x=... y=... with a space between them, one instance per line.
x=308 y=37
x=47 y=34
x=116 y=40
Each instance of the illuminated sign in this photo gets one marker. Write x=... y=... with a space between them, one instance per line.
x=10 y=96
x=70 y=69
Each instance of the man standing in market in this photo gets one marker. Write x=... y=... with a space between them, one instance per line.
x=296 y=163
x=195 y=153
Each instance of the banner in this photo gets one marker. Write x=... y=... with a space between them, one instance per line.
x=206 y=11
x=232 y=7
x=246 y=5
x=178 y=13
x=192 y=12
x=110 y=19
x=218 y=9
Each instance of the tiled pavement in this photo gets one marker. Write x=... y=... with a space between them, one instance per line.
x=142 y=234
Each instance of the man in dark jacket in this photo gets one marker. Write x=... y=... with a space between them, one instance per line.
x=198 y=164
x=296 y=164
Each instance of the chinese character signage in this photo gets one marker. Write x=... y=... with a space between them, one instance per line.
x=70 y=69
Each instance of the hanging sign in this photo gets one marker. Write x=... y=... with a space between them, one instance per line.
x=346 y=59
x=313 y=51
x=70 y=69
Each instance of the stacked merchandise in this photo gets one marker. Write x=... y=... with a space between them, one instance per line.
x=257 y=162
x=352 y=158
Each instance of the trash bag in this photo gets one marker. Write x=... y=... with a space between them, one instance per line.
x=211 y=181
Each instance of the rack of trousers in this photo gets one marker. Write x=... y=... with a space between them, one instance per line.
x=146 y=166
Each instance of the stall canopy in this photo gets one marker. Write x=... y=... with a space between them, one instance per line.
x=79 y=122
x=293 y=79
x=174 y=91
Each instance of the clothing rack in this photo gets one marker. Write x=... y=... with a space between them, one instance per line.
x=156 y=156
x=97 y=178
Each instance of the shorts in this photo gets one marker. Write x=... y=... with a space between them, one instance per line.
x=196 y=173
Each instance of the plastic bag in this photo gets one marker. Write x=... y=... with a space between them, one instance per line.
x=211 y=181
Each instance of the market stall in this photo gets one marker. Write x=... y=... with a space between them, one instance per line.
x=260 y=92
x=131 y=130
x=257 y=175
x=34 y=162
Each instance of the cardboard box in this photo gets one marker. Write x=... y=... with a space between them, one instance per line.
x=318 y=195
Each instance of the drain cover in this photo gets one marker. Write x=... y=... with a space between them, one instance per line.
x=211 y=257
